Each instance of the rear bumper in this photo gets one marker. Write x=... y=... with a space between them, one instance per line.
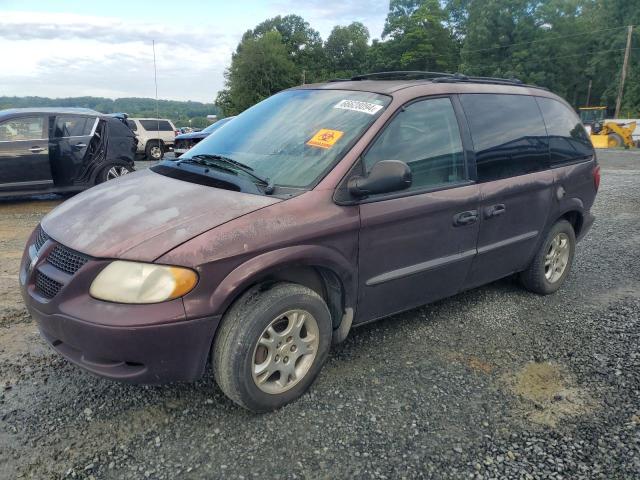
x=587 y=223
x=151 y=354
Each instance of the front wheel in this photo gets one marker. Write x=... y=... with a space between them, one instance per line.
x=552 y=262
x=271 y=346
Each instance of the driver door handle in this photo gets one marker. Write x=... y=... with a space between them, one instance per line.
x=36 y=149
x=465 y=218
x=80 y=145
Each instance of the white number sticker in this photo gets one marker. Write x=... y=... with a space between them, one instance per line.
x=357 y=106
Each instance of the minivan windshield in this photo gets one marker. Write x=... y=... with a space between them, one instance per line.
x=294 y=137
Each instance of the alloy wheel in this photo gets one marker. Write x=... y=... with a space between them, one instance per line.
x=116 y=171
x=285 y=351
x=156 y=152
x=557 y=257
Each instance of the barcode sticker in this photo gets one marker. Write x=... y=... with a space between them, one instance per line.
x=357 y=106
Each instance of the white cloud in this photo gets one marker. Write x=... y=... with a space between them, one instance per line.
x=71 y=55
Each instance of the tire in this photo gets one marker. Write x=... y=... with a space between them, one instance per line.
x=154 y=150
x=541 y=278
x=111 y=172
x=237 y=356
x=615 y=141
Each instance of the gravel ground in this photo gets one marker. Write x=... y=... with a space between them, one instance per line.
x=492 y=383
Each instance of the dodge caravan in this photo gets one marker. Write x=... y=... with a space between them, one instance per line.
x=321 y=208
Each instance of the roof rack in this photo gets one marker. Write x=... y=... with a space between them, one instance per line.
x=439 y=77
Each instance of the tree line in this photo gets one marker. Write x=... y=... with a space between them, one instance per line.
x=573 y=47
x=177 y=111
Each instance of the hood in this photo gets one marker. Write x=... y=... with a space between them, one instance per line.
x=188 y=136
x=143 y=215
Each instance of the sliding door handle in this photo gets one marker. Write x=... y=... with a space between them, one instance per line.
x=465 y=218
x=494 y=210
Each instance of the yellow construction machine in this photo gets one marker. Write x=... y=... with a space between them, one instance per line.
x=607 y=133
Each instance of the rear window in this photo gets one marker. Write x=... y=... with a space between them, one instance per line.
x=508 y=133
x=568 y=140
x=73 y=126
x=155 y=125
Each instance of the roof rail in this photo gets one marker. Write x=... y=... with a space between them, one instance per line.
x=439 y=77
x=402 y=74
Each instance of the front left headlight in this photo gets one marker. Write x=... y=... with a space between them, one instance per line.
x=135 y=282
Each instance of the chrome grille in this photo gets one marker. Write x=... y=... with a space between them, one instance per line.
x=46 y=286
x=40 y=239
x=67 y=260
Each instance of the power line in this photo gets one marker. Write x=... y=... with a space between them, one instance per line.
x=556 y=37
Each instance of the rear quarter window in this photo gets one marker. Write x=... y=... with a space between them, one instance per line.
x=508 y=133
x=155 y=125
x=568 y=140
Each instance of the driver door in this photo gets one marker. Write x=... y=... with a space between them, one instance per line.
x=417 y=245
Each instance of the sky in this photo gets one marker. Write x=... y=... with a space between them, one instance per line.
x=71 y=48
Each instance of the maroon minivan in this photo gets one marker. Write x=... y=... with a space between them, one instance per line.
x=321 y=208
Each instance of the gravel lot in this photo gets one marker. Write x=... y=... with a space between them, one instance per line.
x=492 y=383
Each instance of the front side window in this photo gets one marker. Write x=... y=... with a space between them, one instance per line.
x=295 y=136
x=73 y=126
x=568 y=140
x=426 y=137
x=29 y=128
x=508 y=134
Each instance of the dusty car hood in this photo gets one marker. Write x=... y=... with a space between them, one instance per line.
x=143 y=215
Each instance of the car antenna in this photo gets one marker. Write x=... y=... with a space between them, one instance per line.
x=155 y=79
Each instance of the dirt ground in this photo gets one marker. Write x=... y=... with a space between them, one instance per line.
x=492 y=383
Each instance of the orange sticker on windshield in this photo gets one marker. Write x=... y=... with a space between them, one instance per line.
x=325 y=138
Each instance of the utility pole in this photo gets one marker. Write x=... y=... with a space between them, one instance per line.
x=304 y=76
x=589 y=92
x=625 y=66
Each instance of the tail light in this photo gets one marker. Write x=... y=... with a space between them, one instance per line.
x=596 y=177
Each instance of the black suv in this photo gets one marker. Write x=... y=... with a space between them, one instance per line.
x=61 y=150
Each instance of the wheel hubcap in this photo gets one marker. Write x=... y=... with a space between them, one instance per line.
x=285 y=351
x=156 y=152
x=116 y=171
x=557 y=257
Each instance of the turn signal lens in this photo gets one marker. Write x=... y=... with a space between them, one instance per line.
x=134 y=282
x=596 y=177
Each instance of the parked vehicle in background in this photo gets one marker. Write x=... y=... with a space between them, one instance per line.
x=155 y=136
x=321 y=207
x=187 y=140
x=61 y=150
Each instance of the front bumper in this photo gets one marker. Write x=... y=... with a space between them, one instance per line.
x=152 y=343
x=152 y=354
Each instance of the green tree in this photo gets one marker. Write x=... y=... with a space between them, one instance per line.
x=346 y=50
x=259 y=68
x=303 y=44
x=416 y=38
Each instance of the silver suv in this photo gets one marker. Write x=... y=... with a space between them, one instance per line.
x=155 y=136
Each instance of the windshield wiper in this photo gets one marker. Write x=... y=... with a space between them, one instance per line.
x=205 y=164
x=205 y=158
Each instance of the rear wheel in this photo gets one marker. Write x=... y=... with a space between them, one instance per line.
x=615 y=140
x=154 y=150
x=111 y=172
x=271 y=346
x=552 y=262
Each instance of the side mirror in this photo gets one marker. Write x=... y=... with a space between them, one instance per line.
x=385 y=176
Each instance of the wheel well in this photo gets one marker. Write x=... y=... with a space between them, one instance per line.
x=158 y=140
x=321 y=280
x=575 y=219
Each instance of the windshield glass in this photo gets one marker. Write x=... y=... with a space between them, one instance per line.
x=294 y=137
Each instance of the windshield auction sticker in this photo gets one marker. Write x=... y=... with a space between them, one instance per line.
x=325 y=138
x=357 y=106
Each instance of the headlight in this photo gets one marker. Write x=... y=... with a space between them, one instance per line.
x=133 y=282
